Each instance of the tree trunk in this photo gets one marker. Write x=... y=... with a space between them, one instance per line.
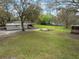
x=22 y=23
x=66 y=24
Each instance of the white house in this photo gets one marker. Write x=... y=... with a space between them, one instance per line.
x=16 y=25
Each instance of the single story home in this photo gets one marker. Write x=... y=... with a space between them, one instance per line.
x=16 y=26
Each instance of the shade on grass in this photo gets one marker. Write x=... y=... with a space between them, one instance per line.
x=41 y=45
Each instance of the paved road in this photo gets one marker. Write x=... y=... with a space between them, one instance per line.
x=4 y=33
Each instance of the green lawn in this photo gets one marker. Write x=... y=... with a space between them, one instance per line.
x=55 y=44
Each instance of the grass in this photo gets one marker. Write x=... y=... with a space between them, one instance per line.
x=56 y=44
x=55 y=28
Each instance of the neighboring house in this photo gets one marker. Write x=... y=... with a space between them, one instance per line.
x=16 y=25
x=77 y=13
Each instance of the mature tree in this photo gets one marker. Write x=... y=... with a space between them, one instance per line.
x=4 y=10
x=4 y=17
x=32 y=13
x=20 y=8
x=26 y=10
x=67 y=16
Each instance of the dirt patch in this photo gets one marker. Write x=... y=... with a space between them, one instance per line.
x=74 y=36
x=63 y=33
x=69 y=35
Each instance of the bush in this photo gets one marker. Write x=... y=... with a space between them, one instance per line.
x=45 y=19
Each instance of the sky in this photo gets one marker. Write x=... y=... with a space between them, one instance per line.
x=53 y=10
x=43 y=3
